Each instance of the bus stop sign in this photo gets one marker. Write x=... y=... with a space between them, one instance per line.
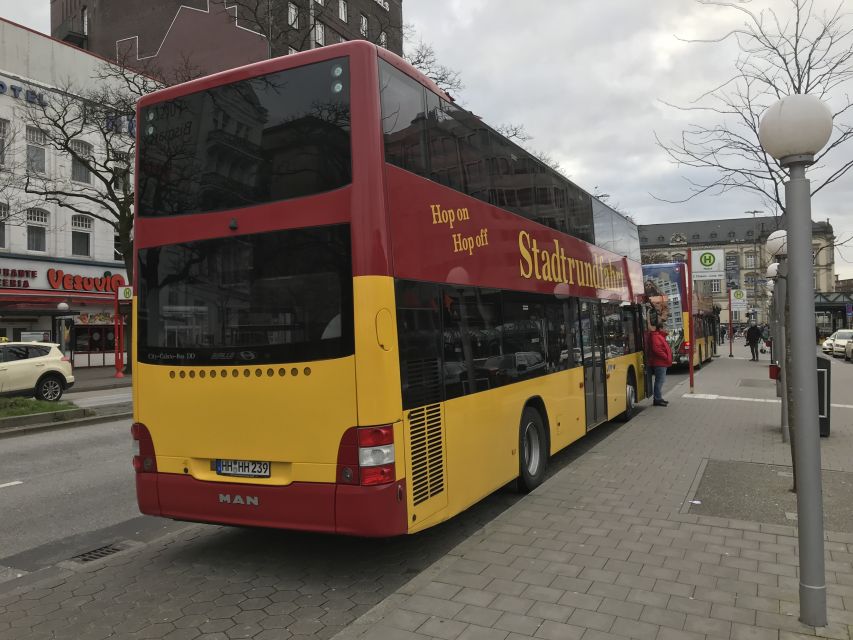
x=125 y=294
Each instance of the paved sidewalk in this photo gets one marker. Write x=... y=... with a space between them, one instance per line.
x=98 y=378
x=607 y=548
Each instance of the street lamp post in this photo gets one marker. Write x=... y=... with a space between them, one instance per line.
x=778 y=271
x=793 y=130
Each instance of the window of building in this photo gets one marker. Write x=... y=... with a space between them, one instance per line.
x=4 y=137
x=84 y=20
x=292 y=15
x=714 y=234
x=678 y=257
x=291 y=50
x=79 y=170
x=320 y=33
x=36 y=142
x=4 y=215
x=695 y=236
x=715 y=286
x=118 y=256
x=731 y=234
x=37 y=221
x=81 y=236
x=750 y=261
x=749 y=233
x=363 y=25
x=343 y=11
x=660 y=238
x=121 y=172
x=383 y=39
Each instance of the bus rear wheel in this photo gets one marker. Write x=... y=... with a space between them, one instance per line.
x=630 y=397
x=532 y=450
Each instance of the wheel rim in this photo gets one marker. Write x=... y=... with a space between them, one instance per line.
x=630 y=398
x=531 y=449
x=51 y=389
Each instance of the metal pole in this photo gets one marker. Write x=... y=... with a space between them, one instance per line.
x=782 y=348
x=804 y=386
x=688 y=290
x=731 y=329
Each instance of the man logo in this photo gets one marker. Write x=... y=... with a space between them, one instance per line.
x=707 y=259
x=249 y=501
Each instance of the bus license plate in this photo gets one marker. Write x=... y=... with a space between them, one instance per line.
x=243 y=468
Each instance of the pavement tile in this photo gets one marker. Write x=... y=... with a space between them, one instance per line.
x=550 y=630
x=442 y=628
x=663 y=617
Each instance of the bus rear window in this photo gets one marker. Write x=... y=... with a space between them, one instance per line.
x=284 y=296
x=264 y=139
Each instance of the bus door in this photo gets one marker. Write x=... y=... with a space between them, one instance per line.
x=592 y=336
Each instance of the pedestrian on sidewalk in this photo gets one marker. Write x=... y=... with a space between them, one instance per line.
x=753 y=337
x=722 y=335
x=659 y=359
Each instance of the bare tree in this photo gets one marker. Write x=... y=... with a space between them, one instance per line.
x=798 y=52
x=422 y=57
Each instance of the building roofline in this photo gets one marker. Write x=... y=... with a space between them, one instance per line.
x=71 y=46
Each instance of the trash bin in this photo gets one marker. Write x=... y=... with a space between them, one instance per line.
x=823 y=393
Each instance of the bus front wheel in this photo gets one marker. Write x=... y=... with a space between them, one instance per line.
x=532 y=450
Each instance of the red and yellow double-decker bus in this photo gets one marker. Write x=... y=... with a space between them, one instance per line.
x=359 y=309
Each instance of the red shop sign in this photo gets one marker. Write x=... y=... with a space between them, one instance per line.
x=109 y=283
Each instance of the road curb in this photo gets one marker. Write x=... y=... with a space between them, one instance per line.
x=63 y=424
x=83 y=388
x=39 y=418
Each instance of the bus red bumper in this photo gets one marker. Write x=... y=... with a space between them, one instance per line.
x=376 y=511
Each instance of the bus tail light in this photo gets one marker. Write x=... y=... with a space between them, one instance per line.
x=145 y=460
x=366 y=456
x=685 y=347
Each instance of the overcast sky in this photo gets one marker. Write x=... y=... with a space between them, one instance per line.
x=587 y=79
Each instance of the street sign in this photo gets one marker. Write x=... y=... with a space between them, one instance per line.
x=739 y=301
x=708 y=264
x=125 y=294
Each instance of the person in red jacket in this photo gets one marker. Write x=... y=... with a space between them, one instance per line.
x=659 y=359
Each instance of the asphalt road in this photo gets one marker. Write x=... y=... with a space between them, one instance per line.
x=60 y=483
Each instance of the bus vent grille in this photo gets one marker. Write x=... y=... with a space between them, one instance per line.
x=423 y=382
x=427 y=452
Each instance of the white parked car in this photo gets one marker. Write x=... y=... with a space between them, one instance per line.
x=827 y=344
x=839 y=345
x=34 y=369
x=848 y=350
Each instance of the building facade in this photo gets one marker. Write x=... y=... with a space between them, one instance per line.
x=743 y=241
x=181 y=38
x=59 y=269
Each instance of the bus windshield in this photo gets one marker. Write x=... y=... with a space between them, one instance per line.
x=283 y=296
x=265 y=139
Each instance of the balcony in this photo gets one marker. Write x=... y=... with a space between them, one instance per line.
x=71 y=31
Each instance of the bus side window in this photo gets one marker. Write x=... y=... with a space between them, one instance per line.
x=471 y=321
x=524 y=334
x=419 y=331
x=403 y=121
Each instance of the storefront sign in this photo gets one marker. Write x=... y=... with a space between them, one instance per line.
x=108 y=283
x=17 y=91
x=15 y=278
x=47 y=275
